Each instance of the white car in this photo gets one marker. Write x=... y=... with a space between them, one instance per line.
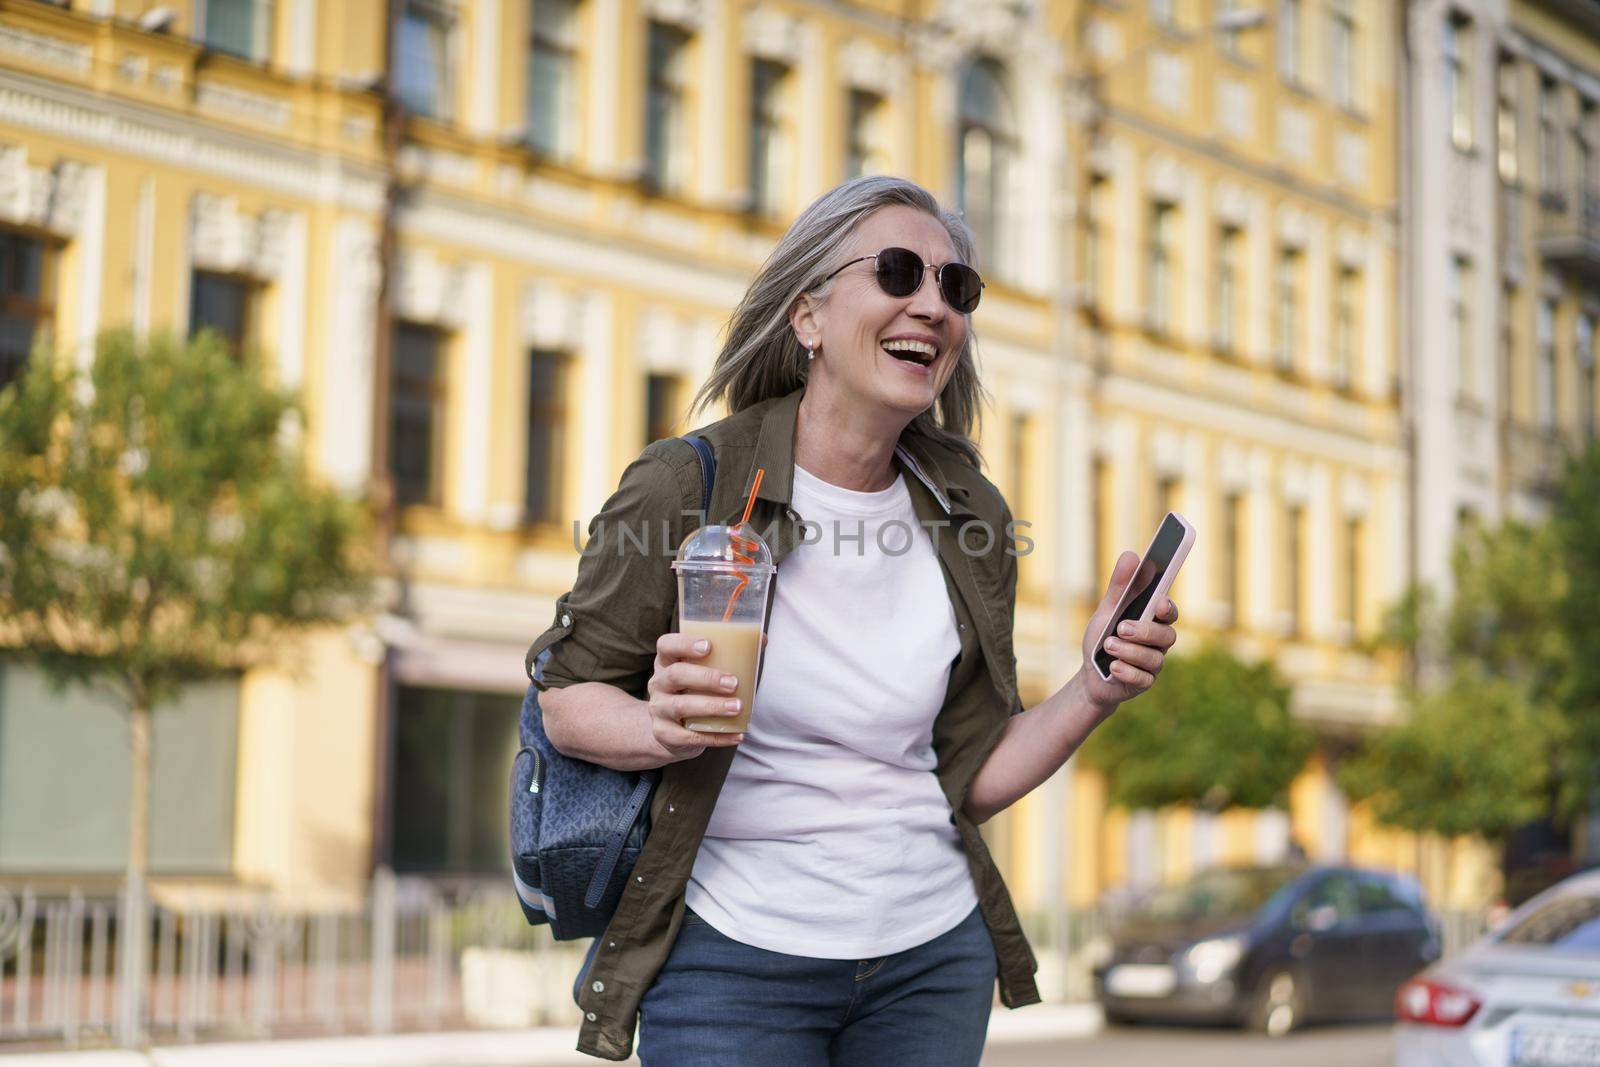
x=1527 y=995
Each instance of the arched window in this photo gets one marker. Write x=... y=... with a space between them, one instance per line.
x=987 y=153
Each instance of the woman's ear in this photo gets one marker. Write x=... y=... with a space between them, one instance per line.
x=805 y=320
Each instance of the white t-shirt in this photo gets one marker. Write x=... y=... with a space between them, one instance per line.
x=831 y=837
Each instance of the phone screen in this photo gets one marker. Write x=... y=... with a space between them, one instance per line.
x=1151 y=570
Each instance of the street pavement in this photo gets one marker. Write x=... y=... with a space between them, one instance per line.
x=1322 y=1046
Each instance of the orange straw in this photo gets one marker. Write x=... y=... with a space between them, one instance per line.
x=742 y=554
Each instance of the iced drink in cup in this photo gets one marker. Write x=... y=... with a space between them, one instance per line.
x=724 y=578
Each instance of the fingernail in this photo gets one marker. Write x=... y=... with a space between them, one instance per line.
x=1113 y=645
x=738 y=738
x=730 y=705
x=702 y=646
x=729 y=681
x=1126 y=629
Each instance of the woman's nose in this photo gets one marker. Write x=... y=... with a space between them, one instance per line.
x=926 y=303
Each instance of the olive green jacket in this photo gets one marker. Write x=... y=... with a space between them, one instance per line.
x=625 y=597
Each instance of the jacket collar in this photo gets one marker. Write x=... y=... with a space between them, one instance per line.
x=774 y=451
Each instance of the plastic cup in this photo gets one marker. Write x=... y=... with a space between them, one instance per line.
x=724 y=579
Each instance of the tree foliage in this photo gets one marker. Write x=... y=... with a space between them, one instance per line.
x=1576 y=526
x=155 y=526
x=1472 y=758
x=1214 y=731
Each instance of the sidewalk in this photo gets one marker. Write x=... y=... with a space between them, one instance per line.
x=549 y=1046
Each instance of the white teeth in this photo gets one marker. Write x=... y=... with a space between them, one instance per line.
x=919 y=348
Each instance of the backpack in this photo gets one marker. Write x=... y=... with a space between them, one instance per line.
x=577 y=828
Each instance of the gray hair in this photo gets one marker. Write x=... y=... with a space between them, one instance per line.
x=762 y=358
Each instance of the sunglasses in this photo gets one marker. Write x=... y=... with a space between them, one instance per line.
x=900 y=271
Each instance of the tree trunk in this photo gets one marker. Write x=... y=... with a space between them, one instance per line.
x=138 y=790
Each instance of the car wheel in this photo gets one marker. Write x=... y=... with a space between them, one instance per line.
x=1279 y=1004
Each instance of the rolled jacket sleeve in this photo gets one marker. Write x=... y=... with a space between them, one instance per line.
x=625 y=597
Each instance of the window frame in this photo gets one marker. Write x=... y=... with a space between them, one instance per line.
x=39 y=308
x=558 y=417
x=435 y=395
x=445 y=14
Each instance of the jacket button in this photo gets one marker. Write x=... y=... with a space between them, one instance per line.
x=566 y=619
x=639 y=878
x=671 y=809
x=590 y=1016
x=599 y=987
x=611 y=944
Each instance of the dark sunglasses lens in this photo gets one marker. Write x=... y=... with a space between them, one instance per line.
x=899 y=271
x=961 y=286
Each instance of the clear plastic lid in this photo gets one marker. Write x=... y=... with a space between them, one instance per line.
x=724 y=548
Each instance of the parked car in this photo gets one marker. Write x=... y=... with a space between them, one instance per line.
x=1527 y=993
x=1270 y=947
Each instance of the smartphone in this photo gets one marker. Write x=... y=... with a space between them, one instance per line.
x=1150 y=583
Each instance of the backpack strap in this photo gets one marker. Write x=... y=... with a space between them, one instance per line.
x=708 y=470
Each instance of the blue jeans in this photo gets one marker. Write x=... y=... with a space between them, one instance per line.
x=719 y=1003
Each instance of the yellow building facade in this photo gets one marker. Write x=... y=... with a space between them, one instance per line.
x=493 y=297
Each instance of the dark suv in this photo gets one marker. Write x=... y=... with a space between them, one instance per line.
x=1272 y=947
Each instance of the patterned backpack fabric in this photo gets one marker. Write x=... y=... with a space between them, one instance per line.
x=577 y=828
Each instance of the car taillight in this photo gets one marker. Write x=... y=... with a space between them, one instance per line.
x=1435 y=1004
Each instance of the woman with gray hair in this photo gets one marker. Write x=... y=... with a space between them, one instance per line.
x=815 y=891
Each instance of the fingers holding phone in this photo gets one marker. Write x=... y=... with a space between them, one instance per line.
x=1132 y=630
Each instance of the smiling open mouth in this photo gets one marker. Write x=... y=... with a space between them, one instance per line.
x=918 y=352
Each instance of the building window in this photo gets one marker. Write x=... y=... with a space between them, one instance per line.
x=424 y=42
x=660 y=406
x=1584 y=357
x=1549 y=137
x=1289 y=40
x=452 y=757
x=224 y=304
x=553 y=77
x=416 y=413
x=1544 y=370
x=1342 y=52
x=1230 y=34
x=666 y=85
x=1458 y=80
x=1094 y=258
x=1021 y=457
x=864 y=146
x=1344 y=328
x=1286 y=332
x=1508 y=344
x=1164 y=12
x=1227 y=282
x=27 y=280
x=1229 y=554
x=1583 y=149
x=238 y=27
x=987 y=151
x=1293 y=567
x=1166 y=499
x=1352 y=571
x=1160 y=281
x=1459 y=298
x=769 y=154
x=1100 y=519
x=547 y=432
x=1506 y=122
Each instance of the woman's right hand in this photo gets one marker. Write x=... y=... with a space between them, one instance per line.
x=682 y=688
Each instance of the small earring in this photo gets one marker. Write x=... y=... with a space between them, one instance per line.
x=811 y=353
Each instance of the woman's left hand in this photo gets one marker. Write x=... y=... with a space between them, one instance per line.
x=1136 y=655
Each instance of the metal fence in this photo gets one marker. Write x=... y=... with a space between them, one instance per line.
x=412 y=957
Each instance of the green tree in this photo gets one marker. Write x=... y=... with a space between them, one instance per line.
x=1471 y=758
x=1576 y=526
x=157 y=526
x=1214 y=731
